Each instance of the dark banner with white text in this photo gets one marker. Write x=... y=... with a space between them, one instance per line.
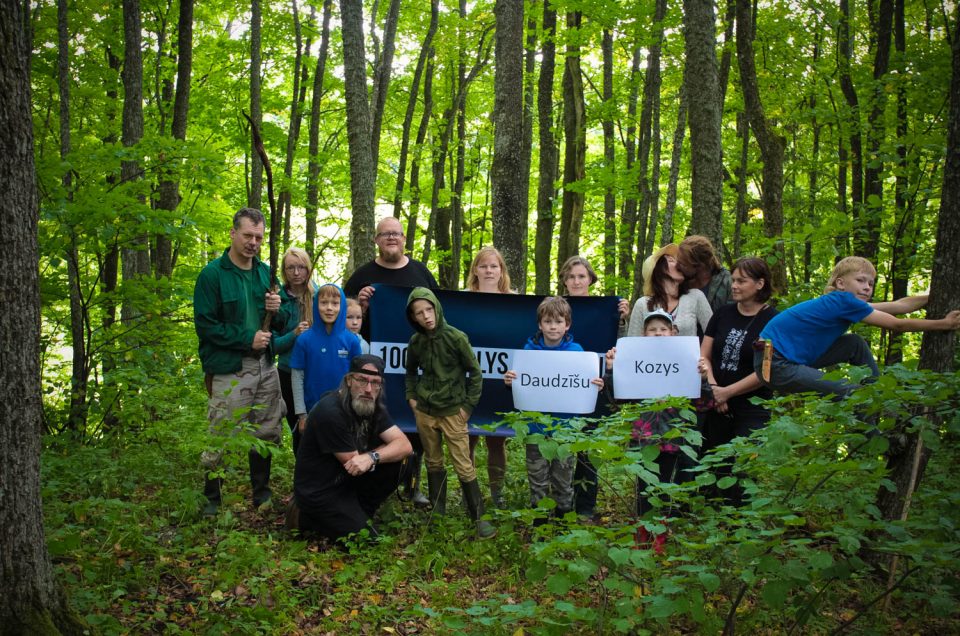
x=497 y=324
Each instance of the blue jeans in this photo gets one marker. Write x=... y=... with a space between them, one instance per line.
x=791 y=377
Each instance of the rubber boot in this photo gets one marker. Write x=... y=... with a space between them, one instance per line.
x=411 y=486
x=211 y=490
x=496 y=475
x=437 y=487
x=471 y=492
x=260 y=478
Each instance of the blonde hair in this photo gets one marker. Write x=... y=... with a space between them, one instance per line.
x=846 y=267
x=473 y=281
x=303 y=298
x=328 y=291
x=572 y=262
x=353 y=302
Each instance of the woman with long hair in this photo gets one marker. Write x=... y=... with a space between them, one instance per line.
x=488 y=274
x=698 y=262
x=298 y=288
x=666 y=288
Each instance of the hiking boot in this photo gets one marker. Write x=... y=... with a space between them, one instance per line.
x=211 y=490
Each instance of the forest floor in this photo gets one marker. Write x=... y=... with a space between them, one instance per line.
x=135 y=556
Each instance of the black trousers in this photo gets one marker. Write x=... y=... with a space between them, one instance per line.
x=349 y=508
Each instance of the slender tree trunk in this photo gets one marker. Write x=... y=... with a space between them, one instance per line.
x=381 y=81
x=456 y=200
x=110 y=265
x=743 y=131
x=255 y=193
x=170 y=188
x=628 y=221
x=425 y=52
x=610 y=168
x=284 y=202
x=549 y=160
x=876 y=132
x=418 y=151
x=79 y=316
x=938 y=351
x=136 y=257
x=508 y=191
x=666 y=235
x=362 y=170
x=903 y=245
x=529 y=87
x=650 y=142
x=313 y=166
x=771 y=143
x=575 y=147
x=814 y=175
x=702 y=91
x=31 y=602
x=845 y=46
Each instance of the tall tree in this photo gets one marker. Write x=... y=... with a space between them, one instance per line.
x=31 y=602
x=381 y=80
x=549 y=155
x=703 y=99
x=170 y=188
x=852 y=123
x=362 y=169
x=425 y=51
x=135 y=255
x=575 y=144
x=79 y=314
x=313 y=163
x=506 y=187
x=609 y=167
x=771 y=143
x=255 y=191
x=285 y=200
x=907 y=461
x=869 y=236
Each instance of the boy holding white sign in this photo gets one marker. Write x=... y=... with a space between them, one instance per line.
x=652 y=426
x=550 y=477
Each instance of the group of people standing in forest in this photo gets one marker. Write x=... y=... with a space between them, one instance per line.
x=351 y=456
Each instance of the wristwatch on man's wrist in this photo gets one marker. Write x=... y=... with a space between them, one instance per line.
x=375 y=456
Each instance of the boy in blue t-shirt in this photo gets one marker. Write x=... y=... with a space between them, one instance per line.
x=811 y=335
x=550 y=477
x=322 y=354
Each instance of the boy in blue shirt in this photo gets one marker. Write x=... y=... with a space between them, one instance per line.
x=550 y=477
x=321 y=356
x=798 y=343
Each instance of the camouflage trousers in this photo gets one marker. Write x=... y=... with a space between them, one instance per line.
x=550 y=478
x=248 y=399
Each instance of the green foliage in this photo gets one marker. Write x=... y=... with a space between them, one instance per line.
x=800 y=553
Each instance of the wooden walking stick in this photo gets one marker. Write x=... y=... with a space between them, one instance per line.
x=274 y=217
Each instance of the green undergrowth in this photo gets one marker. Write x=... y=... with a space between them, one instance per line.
x=807 y=552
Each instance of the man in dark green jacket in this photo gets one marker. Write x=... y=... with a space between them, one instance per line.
x=230 y=301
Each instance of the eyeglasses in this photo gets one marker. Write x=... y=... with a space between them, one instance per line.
x=295 y=268
x=390 y=235
x=365 y=380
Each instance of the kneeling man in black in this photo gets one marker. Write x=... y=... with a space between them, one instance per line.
x=350 y=455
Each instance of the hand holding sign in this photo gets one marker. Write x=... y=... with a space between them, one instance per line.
x=648 y=367
x=554 y=381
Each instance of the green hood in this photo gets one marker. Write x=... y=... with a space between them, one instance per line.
x=422 y=293
x=442 y=373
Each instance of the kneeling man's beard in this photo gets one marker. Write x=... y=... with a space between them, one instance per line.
x=363 y=406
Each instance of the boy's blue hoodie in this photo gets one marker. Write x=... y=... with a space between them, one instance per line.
x=536 y=343
x=324 y=357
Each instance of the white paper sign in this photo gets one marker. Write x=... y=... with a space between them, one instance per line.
x=654 y=367
x=555 y=381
